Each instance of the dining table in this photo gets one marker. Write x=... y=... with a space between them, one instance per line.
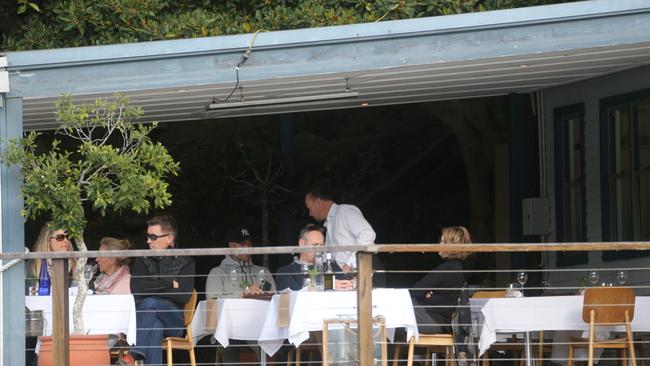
x=226 y=319
x=102 y=314
x=293 y=315
x=560 y=314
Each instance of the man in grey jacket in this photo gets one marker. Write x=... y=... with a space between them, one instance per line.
x=237 y=275
x=234 y=277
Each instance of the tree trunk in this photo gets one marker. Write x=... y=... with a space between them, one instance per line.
x=478 y=126
x=78 y=276
x=265 y=226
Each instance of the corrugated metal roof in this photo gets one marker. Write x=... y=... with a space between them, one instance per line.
x=427 y=59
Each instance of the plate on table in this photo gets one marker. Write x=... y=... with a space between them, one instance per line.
x=263 y=296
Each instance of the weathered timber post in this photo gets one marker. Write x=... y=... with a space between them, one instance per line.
x=364 y=309
x=60 y=312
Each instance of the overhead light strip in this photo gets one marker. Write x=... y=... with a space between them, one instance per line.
x=276 y=101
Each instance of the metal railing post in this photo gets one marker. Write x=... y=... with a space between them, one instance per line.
x=60 y=313
x=364 y=310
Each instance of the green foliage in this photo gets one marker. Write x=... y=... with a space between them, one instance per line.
x=114 y=165
x=66 y=23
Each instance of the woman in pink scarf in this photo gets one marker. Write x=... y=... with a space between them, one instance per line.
x=114 y=278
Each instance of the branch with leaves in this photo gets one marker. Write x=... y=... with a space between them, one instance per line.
x=113 y=165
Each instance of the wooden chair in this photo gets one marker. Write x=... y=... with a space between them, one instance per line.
x=603 y=306
x=380 y=336
x=489 y=294
x=434 y=343
x=184 y=343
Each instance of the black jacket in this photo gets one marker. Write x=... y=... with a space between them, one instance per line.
x=445 y=289
x=290 y=276
x=154 y=276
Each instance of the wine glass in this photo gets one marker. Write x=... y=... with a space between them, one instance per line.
x=261 y=278
x=522 y=277
x=233 y=275
x=353 y=275
x=89 y=272
x=594 y=277
x=621 y=277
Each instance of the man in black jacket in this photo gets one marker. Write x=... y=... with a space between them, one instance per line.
x=161 y=287
x=290 y=276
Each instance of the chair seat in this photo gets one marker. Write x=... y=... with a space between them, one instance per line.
x=177 y=342
x=446 y=340
x=605 y=343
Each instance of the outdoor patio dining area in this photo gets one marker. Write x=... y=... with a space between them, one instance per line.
x=602 y=318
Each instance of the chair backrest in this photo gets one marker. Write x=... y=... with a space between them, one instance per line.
x=488 y=294
x=347 y=349
x=189 y=308
x=609 y=304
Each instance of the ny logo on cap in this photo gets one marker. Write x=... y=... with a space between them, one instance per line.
x=244 y=232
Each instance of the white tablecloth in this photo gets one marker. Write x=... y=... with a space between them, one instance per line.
x=236 y=319
x=308 y=309
x=562 y=313
x=102 y=314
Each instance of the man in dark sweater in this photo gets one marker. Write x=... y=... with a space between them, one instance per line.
x=290 y=276
x=161 y=287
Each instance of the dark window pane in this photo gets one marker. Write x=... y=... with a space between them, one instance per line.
x=644 y=203
x=643 y=139
x=620 y=137
x=622 y=209
x=575 y=209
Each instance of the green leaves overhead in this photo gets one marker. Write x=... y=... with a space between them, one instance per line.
x=66 y=23
x=114 y=165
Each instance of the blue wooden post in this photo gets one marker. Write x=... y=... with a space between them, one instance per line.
x=13 y=240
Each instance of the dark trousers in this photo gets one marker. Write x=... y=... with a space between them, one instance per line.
x=156 y=318
x=428 y=324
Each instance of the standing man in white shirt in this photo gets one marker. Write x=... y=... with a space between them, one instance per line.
x=345 y=225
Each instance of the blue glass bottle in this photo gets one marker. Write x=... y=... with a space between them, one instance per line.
x=44 y=280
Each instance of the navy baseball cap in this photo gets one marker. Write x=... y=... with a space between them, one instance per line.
x=239 y=235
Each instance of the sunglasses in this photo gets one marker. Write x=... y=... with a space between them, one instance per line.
x=60 y=237
x=154 y=237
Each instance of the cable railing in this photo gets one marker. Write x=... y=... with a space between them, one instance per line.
x=535 y=322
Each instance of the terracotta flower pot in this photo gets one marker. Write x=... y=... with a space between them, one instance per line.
x=85 y=350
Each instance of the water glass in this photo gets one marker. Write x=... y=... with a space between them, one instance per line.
x=89 y=272
x=233 y=275
x=594 y=277
x=261 y=278
x=621 y=277
x=522 y=277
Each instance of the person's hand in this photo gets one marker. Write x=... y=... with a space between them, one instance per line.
x=175 y=284
x=428 y=295
x=253 y=290
x=346 y=268
x=344 y=285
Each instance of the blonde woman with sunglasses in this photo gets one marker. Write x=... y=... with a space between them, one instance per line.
x=49 y=240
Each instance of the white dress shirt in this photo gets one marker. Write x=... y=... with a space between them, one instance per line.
x=346 y=226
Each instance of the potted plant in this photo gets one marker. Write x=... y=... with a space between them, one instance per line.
x=113 y=165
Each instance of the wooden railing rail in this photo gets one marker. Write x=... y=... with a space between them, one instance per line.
x=381 y=248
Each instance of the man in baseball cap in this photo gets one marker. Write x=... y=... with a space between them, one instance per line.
x=237 y=275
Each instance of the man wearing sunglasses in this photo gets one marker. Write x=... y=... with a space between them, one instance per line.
x=161 y=287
